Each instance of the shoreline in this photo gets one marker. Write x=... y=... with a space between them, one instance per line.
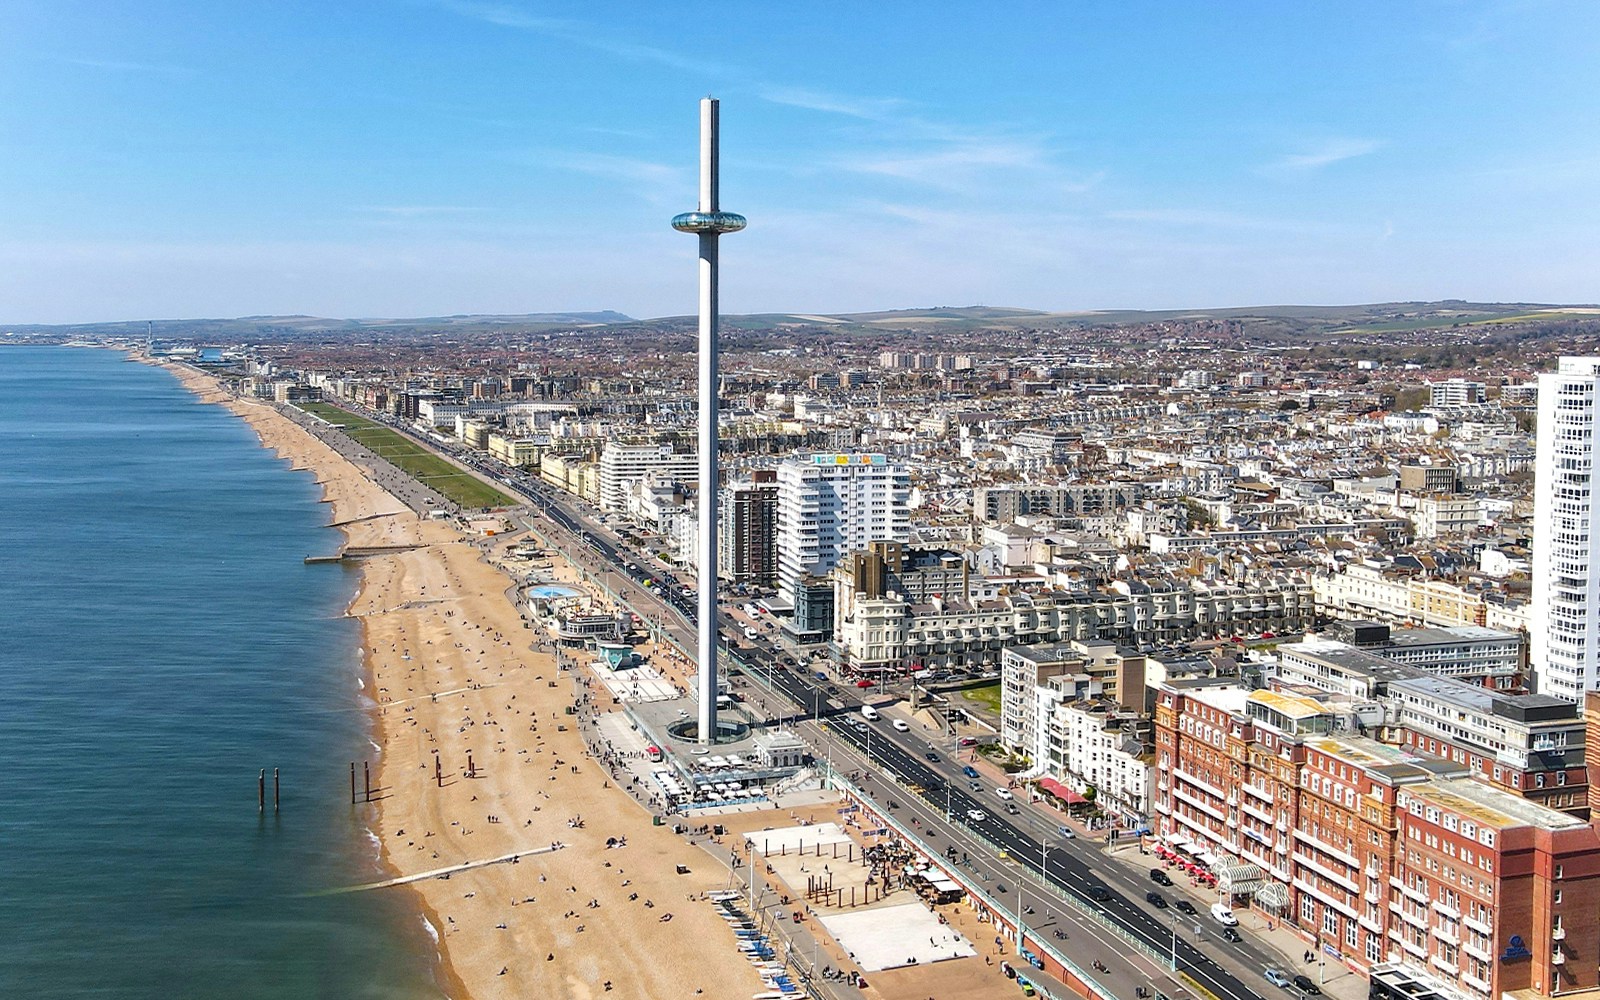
x=260 y=419
x=445 y=651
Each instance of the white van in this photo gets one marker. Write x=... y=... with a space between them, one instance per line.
x=1223 y=915
x=751 y=634
x=869 y=713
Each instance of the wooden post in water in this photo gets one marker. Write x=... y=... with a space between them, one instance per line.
x=472 y=769
x=366 y=776
x=352 y=782
x=274 y=789
x=261 y=791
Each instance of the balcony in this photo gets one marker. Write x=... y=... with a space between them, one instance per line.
x=1260 y=793
x=1558 y=957
x=1558 y=933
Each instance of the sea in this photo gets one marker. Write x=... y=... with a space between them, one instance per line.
x=162 y=642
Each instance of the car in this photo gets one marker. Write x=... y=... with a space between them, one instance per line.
x=1067 y=834
x=975 y=786
x=970 y=771
x=864 y=683
x=1158 y=995
x=1185 y=907
x=1159 y=877
x=1229 y=934
x=977 y=815
x=1156 y=900
x=1223 y=915
x=1100 y=894
x=1012 y=810
x=900 y=725
x=1305 y=985
x=931 y=757
x=1004 y=793
x=1277 y=978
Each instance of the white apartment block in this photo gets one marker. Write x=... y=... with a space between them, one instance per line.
x=1446 y=515
x=1566 y=589
x=830 y=505
x=1457 y=392
x=623 y=465
x=1091 y=745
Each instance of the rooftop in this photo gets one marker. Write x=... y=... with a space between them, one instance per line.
x=1489 y=806
x=1517 y=707
x=1293 y=705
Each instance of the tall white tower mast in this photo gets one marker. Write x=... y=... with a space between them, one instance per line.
x=708 y=222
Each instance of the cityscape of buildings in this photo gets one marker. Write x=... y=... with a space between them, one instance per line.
x=1324 y=631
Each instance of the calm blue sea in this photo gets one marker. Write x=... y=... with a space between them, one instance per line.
x=161 y=641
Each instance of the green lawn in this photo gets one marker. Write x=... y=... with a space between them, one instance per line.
x=461 y=487
x=987 y=695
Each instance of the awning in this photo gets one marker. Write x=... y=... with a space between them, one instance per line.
x=1060 y=791
x=1206 y=858
x=1239 y=878
x=1272 y=895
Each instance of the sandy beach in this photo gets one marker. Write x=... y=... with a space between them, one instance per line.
x=452 y=669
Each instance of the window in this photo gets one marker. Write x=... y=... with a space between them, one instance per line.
x=1308 y=908
x=1330 y=922
x=1558 y=874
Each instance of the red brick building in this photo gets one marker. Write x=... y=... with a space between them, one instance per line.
x=1399 y=863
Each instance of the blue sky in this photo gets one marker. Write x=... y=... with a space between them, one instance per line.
x=428 y=157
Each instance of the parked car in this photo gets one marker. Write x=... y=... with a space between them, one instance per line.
x=864 y=683
x=967 y=741
x=1159 y=877
x=1185 y=907
x=1306 y=985
x=1277 y=978
x=1156 y=900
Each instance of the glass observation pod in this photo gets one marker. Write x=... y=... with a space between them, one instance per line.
x=708 y=222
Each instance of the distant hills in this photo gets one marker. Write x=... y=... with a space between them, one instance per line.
x=1313 y=323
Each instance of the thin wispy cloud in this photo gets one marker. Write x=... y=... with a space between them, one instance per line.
x=417 y=211
x=575 y=33
x=1326 y=154
x=868 y=108
x=658 y=184
x=127 y=66
x=507 y=16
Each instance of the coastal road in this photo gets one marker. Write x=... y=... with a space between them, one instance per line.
x=1066 y=866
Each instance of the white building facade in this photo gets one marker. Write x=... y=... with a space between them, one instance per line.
x=830 y=505
x=1565 y=633
x=623 y=465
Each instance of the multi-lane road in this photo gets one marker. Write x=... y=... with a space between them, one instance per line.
x=922 y=779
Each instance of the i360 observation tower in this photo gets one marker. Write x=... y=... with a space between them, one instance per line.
x=708 y=222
